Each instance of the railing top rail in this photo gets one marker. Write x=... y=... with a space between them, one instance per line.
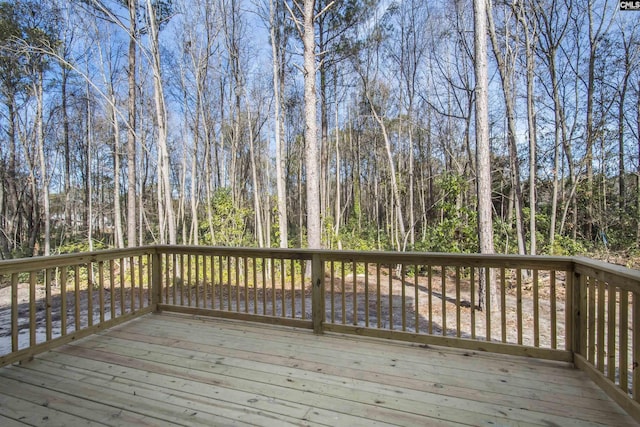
x=626 y=278
x=433 y=258
x=599 y=269
x=43 y=262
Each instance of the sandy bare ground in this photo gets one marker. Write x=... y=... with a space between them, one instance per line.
x=365 y=304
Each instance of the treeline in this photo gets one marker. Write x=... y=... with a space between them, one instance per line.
x=126 y=122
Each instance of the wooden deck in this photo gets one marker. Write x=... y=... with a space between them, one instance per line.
x=167 y=369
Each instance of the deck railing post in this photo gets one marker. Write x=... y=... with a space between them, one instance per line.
x=317 y=293
x=156 y=279
x=577 y=327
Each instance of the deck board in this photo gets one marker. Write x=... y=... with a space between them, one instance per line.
x=180 y=370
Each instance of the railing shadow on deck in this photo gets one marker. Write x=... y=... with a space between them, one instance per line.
x=560 y=308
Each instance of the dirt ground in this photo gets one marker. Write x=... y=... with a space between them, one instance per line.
x=423 y=310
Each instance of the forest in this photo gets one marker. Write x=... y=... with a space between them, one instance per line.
x=315 y=123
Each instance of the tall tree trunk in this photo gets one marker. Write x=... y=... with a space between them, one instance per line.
x=311 y=128
x=530 y=35
x=254 y=181
x=337 y=202
x=621 y=149
x=638 y=169
x=39 y=90
x=396 y=200
x=483 y=148
x=131 y=128
x=67 y=149
x=506 y=70
x=88 y=188
x=117 y=210
x=556 y=147
x=165 y=199
x=278 y=86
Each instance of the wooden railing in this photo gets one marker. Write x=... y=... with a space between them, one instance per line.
x=61 y=298
x=558 y=308
x=607 y=329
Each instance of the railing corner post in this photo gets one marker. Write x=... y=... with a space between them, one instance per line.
x=317 y=293
x=156 y=279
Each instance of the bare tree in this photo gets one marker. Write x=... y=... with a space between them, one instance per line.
x=506 y=69
x=483 y=148
x=131 y=128
x=304 y=17
x=165 y=199
x=278 y=43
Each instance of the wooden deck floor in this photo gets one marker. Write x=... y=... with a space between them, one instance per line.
x=175 y=370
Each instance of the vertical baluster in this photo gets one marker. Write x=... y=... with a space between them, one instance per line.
x=132 y=285
x=212 y=281
x=552 y=305
x=101 y=289
x=181 y=271
x=189 y=281
x=167 y=269
x=197 y=280
x=246 y=284
x=292 y=266
x=378 y=296
x=14 y=312
x=503 y=302
x=89 y=294
x=229 y=290
x=390 y=297
x=226 y=261
x=458 y=320
x=141 y=281
x=635 y=346
x=582 y=308
x=430 y=297
x=355 y=294
x=519 y=303
x=122 y=287
x=591 y=320
x=236 y=265
x=366 y=294
x=282 y=288
x=175 y=278
x=220 y=283
x=112 y=290
x=444 y=300
x=76 y=303
x=63 y=300
x=47 y=287
x=487 y=297
x=342 y=293
x=255 y=285
x=264 y=286
x=623 y=323
x=403 y=296
x=333 y=278
x=611 y=331
x=273 y=287
x=601 y=321
x=416 y=304
x=536 y=310
x=205 y=280
x=303 y=288
x=49 y=277
x=32 y=308
x=472 y=291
